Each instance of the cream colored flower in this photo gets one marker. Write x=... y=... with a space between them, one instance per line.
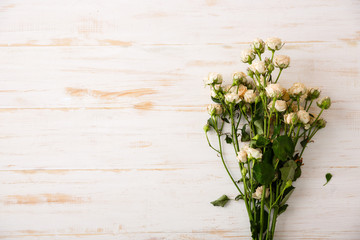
x=258 y=44
x=274 y=90
x=303 y=116
x=232 y=97
x=258 y=67
x=274 y=43
x=290 y=118
x=313 y=93
x=279 y=105
x=239 y=76
x=249 y=96
x=298 y=89
x=247 y=55
x=213 y=77
x=242 y=90
x=259 y=191
x=281 y=61
x=214 y=109
x=254 y=153
x=242 y=156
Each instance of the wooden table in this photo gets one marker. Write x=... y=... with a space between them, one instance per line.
x=102 y=108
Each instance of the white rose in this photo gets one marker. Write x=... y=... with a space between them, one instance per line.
x=274 y=90
x=247 y=55
x=297 y=89
x=274 y=43
x=290 y=118
x=258 y=44
x=232 y=97
x=241 y=90
x=280 y=105
x=242 y=156
x=239 y=76
x=249 y=96
x=281 y=61
x=313 y=93
x=303 y=116
x=213 y=78
x=258 y=193
x=254 y=153
x=258 y=66
x=214 y=109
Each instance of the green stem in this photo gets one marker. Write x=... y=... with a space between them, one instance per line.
x=307 y=109
x=262 y=212
x=222 y=158
x=319 y=115
x=248 y=208
x=297 y=135
x=273 y=225
x=309 y=138
x=277 y=199
x=207 y=138
x=278 y=75
x=269 y=215
x=258 y=53
x=290 y=130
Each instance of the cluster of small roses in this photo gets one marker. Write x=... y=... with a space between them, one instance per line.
x=277 y=119
x=292 y=102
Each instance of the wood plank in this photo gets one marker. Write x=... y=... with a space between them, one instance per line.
x=139 y=203
x=123 y=23
x=102 y=108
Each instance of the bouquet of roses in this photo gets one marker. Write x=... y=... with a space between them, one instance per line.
x=269 y=128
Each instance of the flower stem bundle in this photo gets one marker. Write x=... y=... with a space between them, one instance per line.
x=268 y=126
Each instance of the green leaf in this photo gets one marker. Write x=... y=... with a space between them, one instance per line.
x=290 y=163
x=328 y=176
x=221 y=201
x=228 y=139
x=259 y=126
x=268 y=155
x=239 y=197
x=282 y=209
x=211 y=123
x=259 y=113
x=276 y=132
x=225 y=119
x=255 y=228
x=264 y=172
x=283 y=147
x=297 y=173
x=288 y=170
x=304 y=142
x=215 y=100
x=287 y=194
x=260 y=141
x=245 y=137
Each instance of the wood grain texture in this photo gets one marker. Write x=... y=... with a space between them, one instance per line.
x=102 y=108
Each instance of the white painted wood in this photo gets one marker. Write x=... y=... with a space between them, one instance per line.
x=102 y=108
